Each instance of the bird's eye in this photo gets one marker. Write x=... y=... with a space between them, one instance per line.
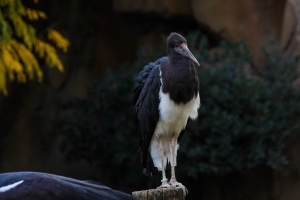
x=177 y=46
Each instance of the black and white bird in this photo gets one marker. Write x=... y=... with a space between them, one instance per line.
x=43 y=186
x=166 y=96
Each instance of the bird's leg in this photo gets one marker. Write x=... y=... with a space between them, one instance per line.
x=164 y=179
x=173 y=181
x=173 y=157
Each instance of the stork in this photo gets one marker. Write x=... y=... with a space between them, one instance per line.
x=166 y=96
x=43 y=186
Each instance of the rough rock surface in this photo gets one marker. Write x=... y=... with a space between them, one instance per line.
x=255 y=22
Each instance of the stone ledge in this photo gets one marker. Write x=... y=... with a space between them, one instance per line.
x=159 y=194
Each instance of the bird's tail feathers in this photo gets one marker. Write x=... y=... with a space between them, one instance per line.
x=147 y=172
x=147 y=165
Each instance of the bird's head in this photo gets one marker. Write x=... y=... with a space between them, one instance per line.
x=177 y=44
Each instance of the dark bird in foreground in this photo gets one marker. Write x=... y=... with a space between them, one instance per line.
x=42 y=186
x=166 y=96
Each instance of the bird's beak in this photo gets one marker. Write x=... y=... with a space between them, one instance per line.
x=184 y=50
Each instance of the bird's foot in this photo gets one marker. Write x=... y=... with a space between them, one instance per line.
x=173 y=183
x=164 y=184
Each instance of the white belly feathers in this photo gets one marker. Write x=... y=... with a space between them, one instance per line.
x=173 y=119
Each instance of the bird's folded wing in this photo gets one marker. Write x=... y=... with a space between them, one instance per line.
x=146 y=101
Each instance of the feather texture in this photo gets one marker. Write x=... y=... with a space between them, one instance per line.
x=43 y=186
x=146 y=101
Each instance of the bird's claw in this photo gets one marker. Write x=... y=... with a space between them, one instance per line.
x=173 y=183
x=164 y=184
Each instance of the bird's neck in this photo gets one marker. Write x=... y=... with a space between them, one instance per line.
x=178 y=61
x=179 y=79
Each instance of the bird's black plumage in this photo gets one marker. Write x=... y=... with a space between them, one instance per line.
x=174 y=77
x=181 y=84
x=43 y=186
x=146 y=100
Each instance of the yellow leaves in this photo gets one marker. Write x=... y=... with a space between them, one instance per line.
x=17 y=61
x=28 y=60
x=48 y=52
x=35 y=14
x=10 y=64
x=14 y=56
x=18 y=57
x=24 y=31
x=59 y=40
x=9 y=60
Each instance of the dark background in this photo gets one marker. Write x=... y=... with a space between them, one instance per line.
x=107 y=34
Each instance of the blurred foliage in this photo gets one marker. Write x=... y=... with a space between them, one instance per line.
x=243 y=122
x=98 y=127
x=20 y=47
